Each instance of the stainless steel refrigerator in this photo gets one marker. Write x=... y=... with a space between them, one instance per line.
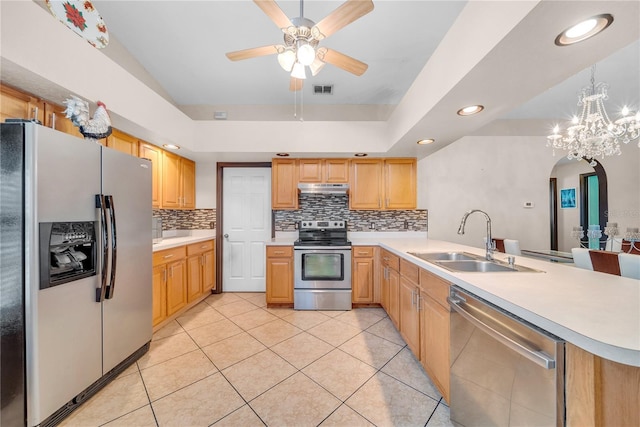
x=75 y=270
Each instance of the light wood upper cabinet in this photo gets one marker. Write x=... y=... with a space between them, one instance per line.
x=400 y=176
x=284 y=184
x=56 y=118
x=18 y=105
x=336 y=171
x=323 y=170
x=170 y=180
x=383 y=184
x=365 y=190
x=178 y=182
x=187 y=184
x=310 y=170
x=279 y=274
x=123 y=142
x=154 y=154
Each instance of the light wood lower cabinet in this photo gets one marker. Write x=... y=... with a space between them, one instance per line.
x=409 y=294
x=600 y=392
x=201 y=269
x=434 y=330
x=159 y=280
x=182 y=276
x=279 y=275
x=391 y=285
x=362 y=274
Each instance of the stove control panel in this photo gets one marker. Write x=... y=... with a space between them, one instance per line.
x=333 y=224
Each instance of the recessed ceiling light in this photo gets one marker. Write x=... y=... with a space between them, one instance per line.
x=360 y=154
x=282 y=154
x=470 y=110
x=171 y=146
x=426 y=141
x=584 y=30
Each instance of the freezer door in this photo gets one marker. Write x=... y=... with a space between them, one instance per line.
x=64 y=339
x=126 y=183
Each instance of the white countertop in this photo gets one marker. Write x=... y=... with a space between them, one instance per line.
x=172 y=239
x=598 y=312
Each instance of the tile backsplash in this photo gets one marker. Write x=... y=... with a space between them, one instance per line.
x=196 y=219
x=332 y=206
x=312 y=207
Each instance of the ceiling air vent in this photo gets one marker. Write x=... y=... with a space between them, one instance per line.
x=323 y=90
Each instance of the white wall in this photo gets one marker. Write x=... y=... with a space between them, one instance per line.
x=498 y=174
x=206 y=185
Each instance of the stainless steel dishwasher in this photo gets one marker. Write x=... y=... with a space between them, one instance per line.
x=504 y=370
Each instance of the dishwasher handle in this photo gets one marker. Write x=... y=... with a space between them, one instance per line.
x=536 y=356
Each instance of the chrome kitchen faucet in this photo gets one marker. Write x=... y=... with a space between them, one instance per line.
x=490 y=244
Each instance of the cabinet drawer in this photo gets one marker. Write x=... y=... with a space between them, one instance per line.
x=435 y=287
x=169 y=255
x=390 y=260
x=200 y=247
x=279 y=251
x=362 y=251
x=409 y=271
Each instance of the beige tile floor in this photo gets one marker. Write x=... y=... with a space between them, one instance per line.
x=230 y=361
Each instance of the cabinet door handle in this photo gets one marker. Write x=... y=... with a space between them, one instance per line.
x=413 y=296
x=418 y=302
x=278 y=252
x=363 y=253
x=35 y=113
x=171 y=271
x=203 y=247
x=387 y=203
x=167 y=256
x=379 y=202
x=202 y=260
x=165 y=276
x=53 y=120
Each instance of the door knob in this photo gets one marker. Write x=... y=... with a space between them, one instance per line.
x=226 y=236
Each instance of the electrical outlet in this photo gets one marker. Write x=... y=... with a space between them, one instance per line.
x=372 y=226
x=406 y=224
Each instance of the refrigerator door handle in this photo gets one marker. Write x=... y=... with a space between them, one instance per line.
x=101 y=204
x=114 y=247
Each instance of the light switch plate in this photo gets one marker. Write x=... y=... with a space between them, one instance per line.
x=527 y=204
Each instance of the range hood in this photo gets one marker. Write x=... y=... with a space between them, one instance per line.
x=321 y=188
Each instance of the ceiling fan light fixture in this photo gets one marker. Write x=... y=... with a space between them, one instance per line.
x=306 y=54
x=298 y=71
x=316 y=66
x=286 y=59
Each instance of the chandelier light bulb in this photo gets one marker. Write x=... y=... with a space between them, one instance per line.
x=286 y=60
x=556 y=129
x=298 y=71
x=575 y=120
x=625 y=111
x=306 y=54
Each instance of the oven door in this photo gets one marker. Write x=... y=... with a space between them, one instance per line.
x=322 y=268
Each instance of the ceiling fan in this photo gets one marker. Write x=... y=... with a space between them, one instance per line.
x=301 y=39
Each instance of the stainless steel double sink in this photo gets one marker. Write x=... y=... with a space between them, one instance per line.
x=467 y=262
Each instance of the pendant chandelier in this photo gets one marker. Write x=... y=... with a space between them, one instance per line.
x=592 y=134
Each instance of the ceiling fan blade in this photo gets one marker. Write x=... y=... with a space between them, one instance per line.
x=273 y=11
x=295 y=84
x=343 y=16
x=254 y=52
x=345 y=62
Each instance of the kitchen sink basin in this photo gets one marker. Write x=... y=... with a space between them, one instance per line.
x=483 y=266
x=445 y=256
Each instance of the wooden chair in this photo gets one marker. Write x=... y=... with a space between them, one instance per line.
x=581 y=258
x=630 y=247
x=605 y=261
x=629 y=265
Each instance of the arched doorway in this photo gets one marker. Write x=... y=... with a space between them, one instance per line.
x=589 y=184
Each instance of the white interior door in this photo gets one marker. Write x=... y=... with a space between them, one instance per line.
x=246 y=228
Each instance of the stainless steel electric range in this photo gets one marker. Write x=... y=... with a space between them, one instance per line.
x=322 y=266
